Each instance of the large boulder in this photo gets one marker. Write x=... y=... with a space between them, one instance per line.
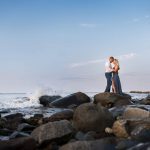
x=145 y=101
x=13 y=120
x=92 y=117
x=141 y=133
x=135 y=113
x=58 y=131
x=71 y=101
x=26 y=143
x=45 y=100
x=112 y=99
x=102 y=144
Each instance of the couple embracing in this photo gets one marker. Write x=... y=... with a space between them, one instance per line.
x=111 y=73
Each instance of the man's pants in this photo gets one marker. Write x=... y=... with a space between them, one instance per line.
x=108 y=76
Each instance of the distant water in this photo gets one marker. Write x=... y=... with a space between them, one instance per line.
x=28 y=104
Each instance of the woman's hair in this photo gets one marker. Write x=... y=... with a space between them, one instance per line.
x=117 y=62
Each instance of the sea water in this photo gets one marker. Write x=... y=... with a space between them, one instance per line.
x=28 y=103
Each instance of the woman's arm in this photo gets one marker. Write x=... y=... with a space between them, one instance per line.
x=115 y=69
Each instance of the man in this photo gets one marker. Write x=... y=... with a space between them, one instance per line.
x=108 y=73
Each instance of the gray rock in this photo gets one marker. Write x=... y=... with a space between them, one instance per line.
x=80 y=136
x=26 y=143
x=13 y=120
x=71 y=101
x=112 y=100
x=124 y=144
x=141 y=133
x=63 y=115
x=52 y=131
x=17 y=134
x=25 y=127
x=140 y=146
x=45 y=100
x=103 y=144
x=92 y=117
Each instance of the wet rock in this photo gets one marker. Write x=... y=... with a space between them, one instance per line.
x=90 y=136
x=53 y=131
x=25 y=127
x=92 y=117
x=146 y=101
x=26 y=143
x=17 y=134
x=38 y=116
x=124 y=144
x=141 y=133
x=36 y=120
x=140 y=146
x=45 y=100
x=117 y=111
x=13 y=121
x=71 y=101
x=5 y=132
x=79 y=136
x=112 y=100
x=3 y=122
x=103 y=144
x=63 y=115
x=5 y=111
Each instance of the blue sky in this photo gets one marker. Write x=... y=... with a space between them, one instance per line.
x=62 y=44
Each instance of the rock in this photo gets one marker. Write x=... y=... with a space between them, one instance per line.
x=5 y=111
x=117 y=111
x=85 y=136
x=111 y=99
x=141 y=133
x=79 y=136
x=92 y=117
x=135 y=113
x=25 y=127
x=119 y=129
x=26 y=143
x=13 y=120
x=124 y=144
x=17 y=134
x=38 y=115
x=36 y=120
x=102 y=144
x=14 y=116
x=3 y=122
x=140 y=146
x=57 y=130
x=71 y=101
x=90 y=136
x=63 y=115
x=145 y=101
x=45 y=100
x=5 y=132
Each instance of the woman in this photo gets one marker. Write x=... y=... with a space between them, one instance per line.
x=116 y=84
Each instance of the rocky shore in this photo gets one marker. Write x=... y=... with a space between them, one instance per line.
x=107 y=121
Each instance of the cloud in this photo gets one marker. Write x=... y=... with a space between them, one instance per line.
x=97 y=61
x=147 y=16
x=87 y=25
x=126 y=56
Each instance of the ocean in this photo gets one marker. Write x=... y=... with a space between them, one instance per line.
x=28 y=103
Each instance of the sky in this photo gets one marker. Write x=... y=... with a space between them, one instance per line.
x=63 y=44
